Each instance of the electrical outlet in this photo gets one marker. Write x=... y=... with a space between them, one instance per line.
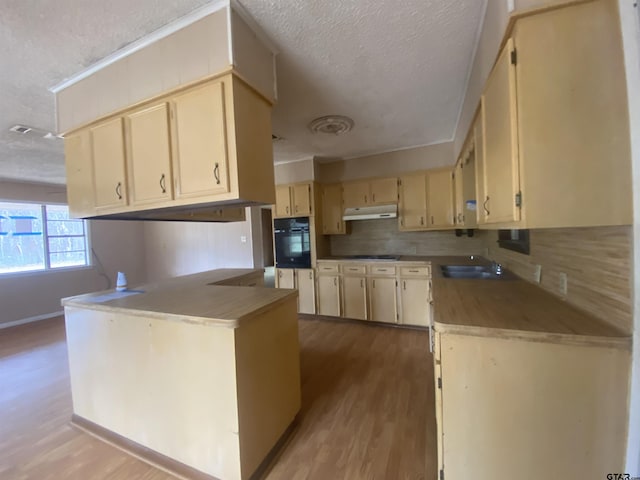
x=537 y=273
x=563 y=284
x=243 y=239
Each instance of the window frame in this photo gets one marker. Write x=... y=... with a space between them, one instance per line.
x=46 y=251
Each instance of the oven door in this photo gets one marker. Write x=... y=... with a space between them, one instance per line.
x=293 y=249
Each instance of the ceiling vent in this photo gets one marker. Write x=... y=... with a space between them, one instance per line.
x=22 y=129
x=331 y=124
x=34 y=132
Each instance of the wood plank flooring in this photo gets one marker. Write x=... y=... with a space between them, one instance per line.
x=367 y=393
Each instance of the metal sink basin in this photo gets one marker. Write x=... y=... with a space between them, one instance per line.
x=480 y=272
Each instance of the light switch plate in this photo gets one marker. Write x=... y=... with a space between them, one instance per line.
x=563 y=284
x=243 y=239
x=537 y=273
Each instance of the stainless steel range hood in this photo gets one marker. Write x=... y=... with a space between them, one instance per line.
x=369 y=213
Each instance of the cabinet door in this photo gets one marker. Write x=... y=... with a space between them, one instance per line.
x=382 y=300
x=479 y=169
x=329 y=295
x=440 y=198
x=354 y=295
x=286 y=278
x=501 y=170
x=301 y=200
x=384 y=191
x=149 y=155
x=77 y=154
x=200 y=142
x=356 y=194
x=458 y=188
x=415 y=301
x=283 y=201
x=306 y=291
x=107 y=151
x=413 y=202
x=332 y=210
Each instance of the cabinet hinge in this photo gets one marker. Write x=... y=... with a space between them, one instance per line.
x=440 y=383
x=514 y=57
x=442 y=474
x=519 y=199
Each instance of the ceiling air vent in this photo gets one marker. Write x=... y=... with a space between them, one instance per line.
x=20 y=129
x=33 y=132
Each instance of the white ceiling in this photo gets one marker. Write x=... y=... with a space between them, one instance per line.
x=398 y=68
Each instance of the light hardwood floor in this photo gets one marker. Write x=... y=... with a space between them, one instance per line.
x=367 y=393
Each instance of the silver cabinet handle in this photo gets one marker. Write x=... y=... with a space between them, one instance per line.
x=310 y=275
x=361 y=283
x=335 y=281
x=431 y=219
x=119 y=190
x=421 y=220
x=287 y=209
x=484 y=205
x=162 y=184
x=374 y=197
x=404 y=284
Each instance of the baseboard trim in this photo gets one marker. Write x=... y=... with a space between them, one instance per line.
x=24 y=321
x=169 y=465
x=145 y=454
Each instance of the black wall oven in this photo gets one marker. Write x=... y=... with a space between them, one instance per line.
x=293 y=249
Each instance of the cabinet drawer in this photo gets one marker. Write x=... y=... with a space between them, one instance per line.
x=382 y=270
x=415 y=271
x=354 y=269
x=327 y=268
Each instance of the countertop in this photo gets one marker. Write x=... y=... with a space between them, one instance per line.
x=511 y=308
x=197 y=298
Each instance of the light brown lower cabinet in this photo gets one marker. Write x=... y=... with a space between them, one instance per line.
x=509 y=407
x=414 y=301
x=329 y=295
x=306 y=284
x=382 y=299
x=354 y=297
x=302 y=279
x=285 y=278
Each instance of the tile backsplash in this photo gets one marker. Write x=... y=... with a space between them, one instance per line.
x=379 y=237
x=597 y=262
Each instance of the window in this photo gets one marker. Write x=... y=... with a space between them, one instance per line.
x=40 y=237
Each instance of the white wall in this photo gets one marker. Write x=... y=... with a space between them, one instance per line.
x=631 y=41
x=180 y=248
x=118 y=245
x=387 y=164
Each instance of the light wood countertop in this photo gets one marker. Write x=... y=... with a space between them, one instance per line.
x=511 y=308
x=197 y=298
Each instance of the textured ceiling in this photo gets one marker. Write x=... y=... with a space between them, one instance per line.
x=397 y=68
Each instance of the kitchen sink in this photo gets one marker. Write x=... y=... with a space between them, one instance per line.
x=480 y=272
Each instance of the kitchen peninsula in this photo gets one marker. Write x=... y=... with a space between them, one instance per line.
x=199 y=374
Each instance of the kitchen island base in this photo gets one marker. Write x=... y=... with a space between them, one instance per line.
x=216 y=399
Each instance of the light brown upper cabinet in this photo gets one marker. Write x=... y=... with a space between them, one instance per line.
x=201 y=147
x=377 y=191
x=293 y=200
x=80 y=190
x=556 y=149
x=149 y=154
x=109 y=170
x=440 y=198
x=412 y=214
x=201 y=164
x=501 y=180
x=426 y=201
x=464 y=180
x=332 y=209
x=458 y=194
